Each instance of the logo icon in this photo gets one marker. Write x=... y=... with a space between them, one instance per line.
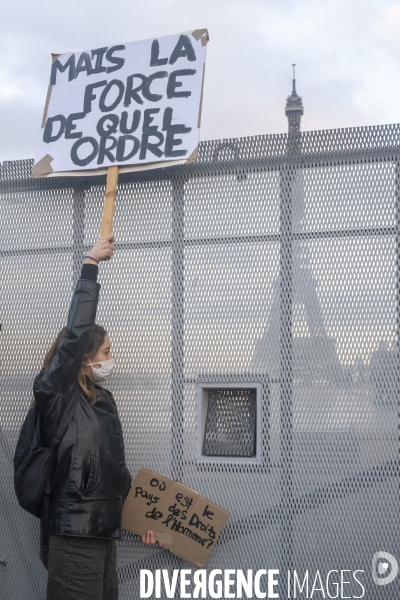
x=384 y=568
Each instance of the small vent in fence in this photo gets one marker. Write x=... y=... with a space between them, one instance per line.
x=231 y=423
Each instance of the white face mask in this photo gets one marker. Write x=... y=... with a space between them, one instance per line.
x=104 y=372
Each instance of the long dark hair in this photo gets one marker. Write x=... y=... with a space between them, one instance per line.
x=96 y=339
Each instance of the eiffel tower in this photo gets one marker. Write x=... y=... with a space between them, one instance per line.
x=314 y=353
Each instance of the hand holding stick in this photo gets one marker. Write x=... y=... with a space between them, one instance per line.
x=102 y=250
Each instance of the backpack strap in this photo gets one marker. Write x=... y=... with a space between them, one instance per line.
x=61 y=431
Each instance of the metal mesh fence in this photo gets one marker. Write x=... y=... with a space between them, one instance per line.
x=255 y=264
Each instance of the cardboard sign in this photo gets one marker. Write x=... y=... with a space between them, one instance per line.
x=129 y=104
x=187 y=523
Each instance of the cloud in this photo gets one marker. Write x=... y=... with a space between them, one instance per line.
x=346 y=54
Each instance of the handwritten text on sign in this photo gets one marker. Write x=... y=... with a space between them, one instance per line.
x=127 y=104
x=175 y=516
x=187 y=523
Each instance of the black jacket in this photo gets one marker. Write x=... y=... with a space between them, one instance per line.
x=91 y=480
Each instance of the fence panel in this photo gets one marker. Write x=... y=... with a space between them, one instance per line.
x=269 y=266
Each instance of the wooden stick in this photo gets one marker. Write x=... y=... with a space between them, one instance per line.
x=109 y=201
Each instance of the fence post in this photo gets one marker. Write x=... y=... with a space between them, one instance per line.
x=286 y=372
x=177 y=408
x=397 y=350
x=78 y=231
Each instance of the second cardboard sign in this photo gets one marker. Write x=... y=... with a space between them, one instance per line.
x=187 y=523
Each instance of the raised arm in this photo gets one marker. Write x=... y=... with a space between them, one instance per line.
x=63 y=370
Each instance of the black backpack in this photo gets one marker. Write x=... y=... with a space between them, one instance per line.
x=34 y=464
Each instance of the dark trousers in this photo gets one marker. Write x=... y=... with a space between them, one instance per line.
x=82 y=568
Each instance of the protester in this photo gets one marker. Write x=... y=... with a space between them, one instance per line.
x=91 y=480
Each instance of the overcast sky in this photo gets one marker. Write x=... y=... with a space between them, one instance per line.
x=346 y=51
